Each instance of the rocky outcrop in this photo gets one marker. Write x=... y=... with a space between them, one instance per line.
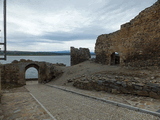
x=79 y=55
x=137 y=42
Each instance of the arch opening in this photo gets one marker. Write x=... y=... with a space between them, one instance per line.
x=32 y=72
x=115 y=58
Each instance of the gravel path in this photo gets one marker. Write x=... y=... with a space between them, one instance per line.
x=68 y=106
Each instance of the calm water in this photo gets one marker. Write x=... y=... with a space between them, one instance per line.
x=51 y=59
x=32 y=72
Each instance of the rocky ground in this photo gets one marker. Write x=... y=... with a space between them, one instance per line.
x=143 y=80
x=90 y=69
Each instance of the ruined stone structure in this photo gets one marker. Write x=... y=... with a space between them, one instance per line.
x=137 y=43
x=79 y=55
x=15 y=71
x=119 y=85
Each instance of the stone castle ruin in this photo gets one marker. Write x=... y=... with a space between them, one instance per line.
x=79 y=55
x=136 y=44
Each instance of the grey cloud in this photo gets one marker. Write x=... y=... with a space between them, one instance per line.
x=83 y=33
x=102 y=16
x=65 y=36
x=124 y=5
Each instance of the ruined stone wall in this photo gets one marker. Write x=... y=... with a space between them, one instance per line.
x=10 y=73
x=120 y=85
x=79 y=55
x=137 y=42
x=15 y=71
x=117 y=87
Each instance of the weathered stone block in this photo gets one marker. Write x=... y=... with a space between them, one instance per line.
x=138 y=86
x=100 y=82
x=154 y=95
x=118 y=82
x=124 y=84
x=142 y=93
x=123 y=90
x=114 y=91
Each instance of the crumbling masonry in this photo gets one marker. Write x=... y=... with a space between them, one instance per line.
x=137 y=43
x=79 y=55
x=15 y=72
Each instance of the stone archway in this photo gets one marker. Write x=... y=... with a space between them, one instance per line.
x=15 y=72
x=115 y=58
x=32 y=66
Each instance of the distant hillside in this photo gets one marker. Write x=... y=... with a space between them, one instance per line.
x=28 y=53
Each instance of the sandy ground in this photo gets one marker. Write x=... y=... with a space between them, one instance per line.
x=89 y=68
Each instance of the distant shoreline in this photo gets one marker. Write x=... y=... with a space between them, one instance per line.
x=42 y=55
x=27 y=53
x=35 y=55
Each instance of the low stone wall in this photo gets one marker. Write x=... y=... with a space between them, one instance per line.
x=120 y=85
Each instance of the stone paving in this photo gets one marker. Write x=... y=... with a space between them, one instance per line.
x=133 y=100
x=68 y=106
x=18 y=104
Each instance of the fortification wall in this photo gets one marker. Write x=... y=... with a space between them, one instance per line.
x=137 y=42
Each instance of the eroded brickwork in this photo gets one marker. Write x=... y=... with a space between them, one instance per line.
x=137 y=42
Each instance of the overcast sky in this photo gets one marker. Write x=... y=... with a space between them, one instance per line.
x=55 y=25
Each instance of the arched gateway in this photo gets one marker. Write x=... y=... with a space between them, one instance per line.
x=30 y=67
x=15 y=71
x=115 y=58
